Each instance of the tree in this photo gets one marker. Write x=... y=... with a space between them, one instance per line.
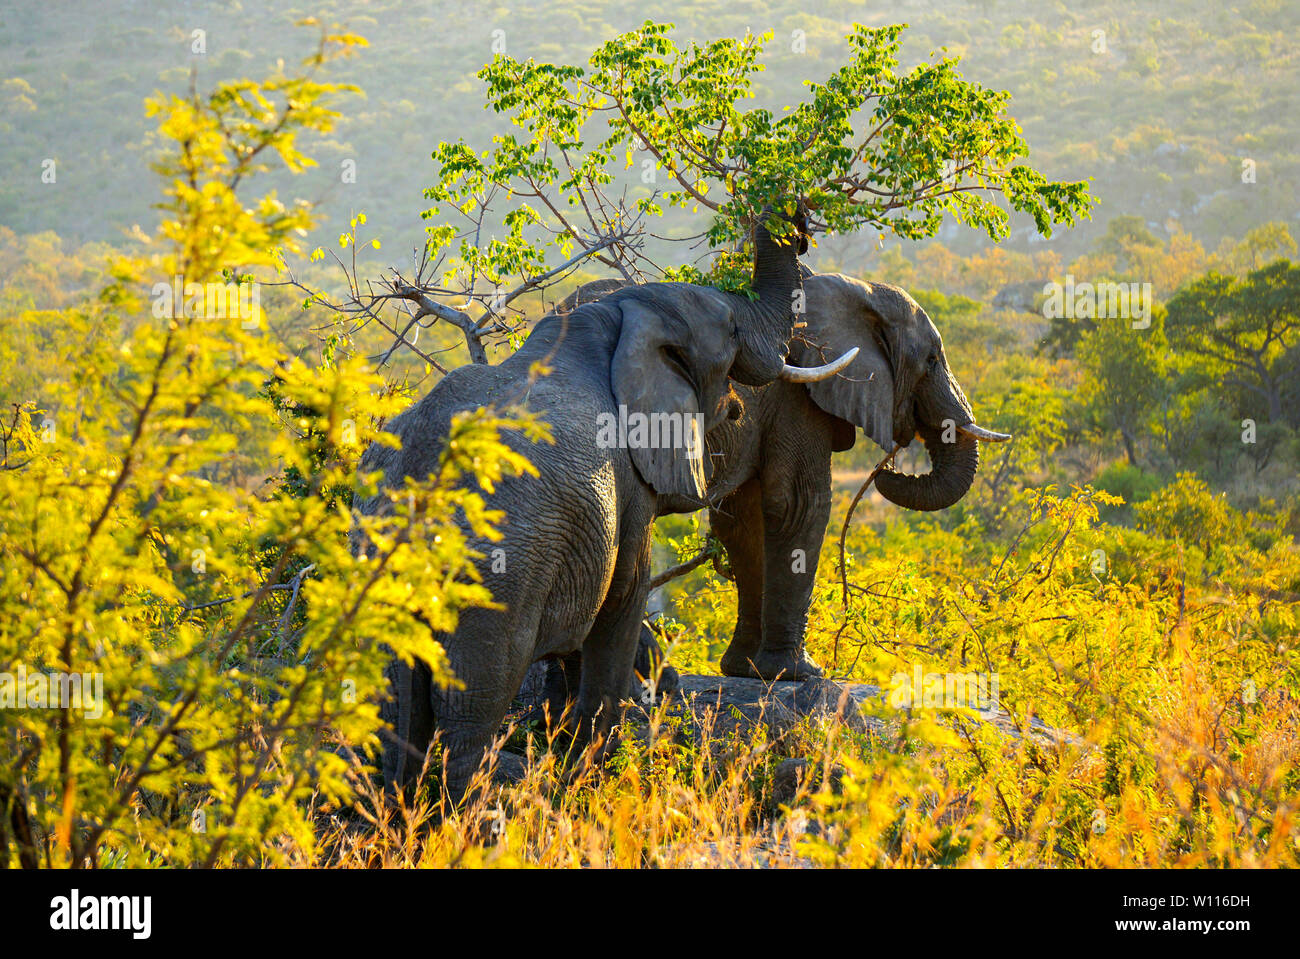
x=942 y=267
x=1127 y=239
x=870 y=146
x=970 y=335
x=1245 y=327
x=187 y=652
x=1259 y=246
x=1125 y=377
x=1186 y=510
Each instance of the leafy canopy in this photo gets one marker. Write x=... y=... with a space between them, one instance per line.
x=869 y=146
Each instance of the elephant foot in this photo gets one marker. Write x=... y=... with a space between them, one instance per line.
x=738 y=665
x=668 y=683
x=650 y=665
x=746 y=643
x=786 y=666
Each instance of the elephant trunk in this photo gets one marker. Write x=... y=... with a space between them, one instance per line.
x=947 y=427
x=952 y=472
x=767 y=324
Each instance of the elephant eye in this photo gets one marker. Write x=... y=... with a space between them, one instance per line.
x=933 y=361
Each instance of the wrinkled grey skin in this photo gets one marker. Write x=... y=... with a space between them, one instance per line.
x=652 y=680
x=577 y=537
x=770 y=487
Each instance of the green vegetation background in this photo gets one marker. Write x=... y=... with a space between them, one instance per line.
x=1162 y=119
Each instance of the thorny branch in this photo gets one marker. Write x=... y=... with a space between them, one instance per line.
x=844 y=532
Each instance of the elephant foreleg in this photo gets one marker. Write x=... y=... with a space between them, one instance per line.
x=609 y=655
x=738 y=524
x=796 y=508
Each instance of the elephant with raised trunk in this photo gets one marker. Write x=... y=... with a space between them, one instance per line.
x=769 y=486
x=576 y=538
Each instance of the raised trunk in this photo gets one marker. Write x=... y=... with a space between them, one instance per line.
x=767 y=324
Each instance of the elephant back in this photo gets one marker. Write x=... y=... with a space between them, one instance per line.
x=590 y=293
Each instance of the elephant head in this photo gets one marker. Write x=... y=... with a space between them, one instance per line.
x=681 y=343
x=899 y=386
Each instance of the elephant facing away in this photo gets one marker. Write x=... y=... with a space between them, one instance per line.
x=576 y=537
x=769 y=489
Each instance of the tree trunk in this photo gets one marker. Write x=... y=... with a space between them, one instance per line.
x=1127 y=437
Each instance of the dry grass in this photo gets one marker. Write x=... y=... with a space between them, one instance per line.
x=679 y=794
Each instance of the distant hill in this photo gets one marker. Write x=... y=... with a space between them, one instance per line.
x=1161 y=106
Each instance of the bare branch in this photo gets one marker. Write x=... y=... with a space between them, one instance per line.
x=681 y=569
x=427 y=306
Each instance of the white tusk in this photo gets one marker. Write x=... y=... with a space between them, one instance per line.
x=980 y=433
x=812 y=374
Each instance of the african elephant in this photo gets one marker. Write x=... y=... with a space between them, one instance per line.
x=577 y=536
x=769 y=488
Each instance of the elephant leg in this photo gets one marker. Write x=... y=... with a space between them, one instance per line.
x=408 y=716
x=651 y=670
x=796 y=508
x=738 y=524
x=491 y=673
x=563 y=675
x=609 y=655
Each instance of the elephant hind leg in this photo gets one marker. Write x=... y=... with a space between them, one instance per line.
x=651 y=670
x=408 y=719
x=467 y=727
x=563 y=677
x=491 y=654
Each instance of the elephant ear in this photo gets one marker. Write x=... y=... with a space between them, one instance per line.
x=649 y=377
x=837 y=320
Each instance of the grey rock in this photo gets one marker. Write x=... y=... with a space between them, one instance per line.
x=1021 y=297
x=726 y=705
x=736 y=705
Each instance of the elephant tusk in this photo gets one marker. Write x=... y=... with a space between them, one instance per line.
x=813 y=374
x=975 y=431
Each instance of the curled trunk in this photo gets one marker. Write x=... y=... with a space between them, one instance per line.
x=766 y=325
x=941 y=412
x=952 y=472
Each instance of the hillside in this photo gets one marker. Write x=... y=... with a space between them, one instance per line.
x=1161 y=107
